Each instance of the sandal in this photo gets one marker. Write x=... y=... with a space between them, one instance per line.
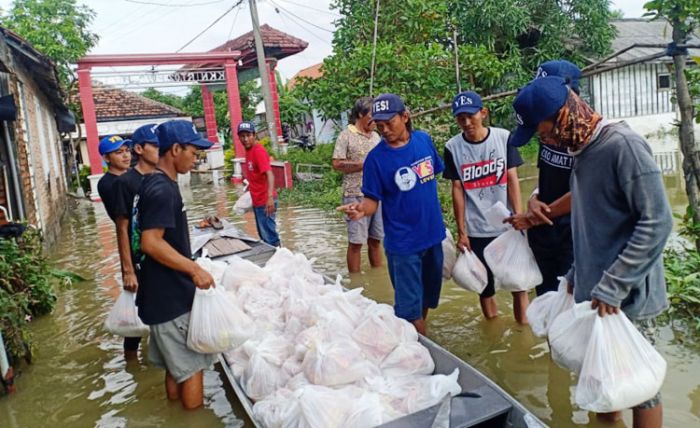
x=215 y=222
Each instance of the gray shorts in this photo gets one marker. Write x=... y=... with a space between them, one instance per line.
x=167 y=349
x=650 y=332
x=366 y=227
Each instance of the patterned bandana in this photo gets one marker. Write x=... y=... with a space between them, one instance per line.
x=575 y=125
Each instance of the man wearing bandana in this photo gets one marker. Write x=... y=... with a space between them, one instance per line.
x=620 y=216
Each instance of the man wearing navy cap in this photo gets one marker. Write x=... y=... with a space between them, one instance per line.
x=117 y=156
x=483 y=170
x=400 y=172
x=167 y=274
x=145 y=144
x=258 y=172
x=620 y=216
x=547 y=217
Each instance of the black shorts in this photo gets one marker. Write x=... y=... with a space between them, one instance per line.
x=478 y=245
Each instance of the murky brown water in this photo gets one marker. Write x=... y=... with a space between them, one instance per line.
x=79 y=378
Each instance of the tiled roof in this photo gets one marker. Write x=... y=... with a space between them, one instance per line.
x=313 y=72
x=277 y=44
x=643 y=31
x=112 y=104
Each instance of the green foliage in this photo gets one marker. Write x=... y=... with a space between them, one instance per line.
x=325 y=193
x=500 y=44
x=191 y=103
x=27 y=289
x=60 y=29
x=682 y=269
x=83 y=175
x=685 y=13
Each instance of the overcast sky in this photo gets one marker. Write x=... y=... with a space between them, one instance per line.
x=143 y=26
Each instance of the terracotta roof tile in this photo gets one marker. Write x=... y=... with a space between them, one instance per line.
x=117 y=104
x=313 y=72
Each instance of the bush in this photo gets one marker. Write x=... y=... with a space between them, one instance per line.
x=27 y=289
x=83 y=175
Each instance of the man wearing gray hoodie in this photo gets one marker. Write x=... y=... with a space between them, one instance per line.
x=620 y=216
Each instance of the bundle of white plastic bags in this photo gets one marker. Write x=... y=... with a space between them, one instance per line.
x=123 y=318
x=509 y=255
x=617 y=367
x=545 y=308
x=319 y=356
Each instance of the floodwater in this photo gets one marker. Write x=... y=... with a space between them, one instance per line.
x=80 y=379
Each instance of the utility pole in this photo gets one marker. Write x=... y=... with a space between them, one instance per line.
x=264 y=78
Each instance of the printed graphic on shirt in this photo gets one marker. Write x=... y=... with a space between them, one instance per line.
x=422 y=170
x=555 y=158
x=484 y=173
x=405 y=178
x=250 y=165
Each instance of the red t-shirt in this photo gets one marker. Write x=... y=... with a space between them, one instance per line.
x=257 y=163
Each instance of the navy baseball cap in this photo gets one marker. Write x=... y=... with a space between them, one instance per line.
x=182 y=132
x=110 y=143
x=466 y=102
x=538 y=100
x=145 y=134
x=246 y=127
x=561 y=68
x=386 y=106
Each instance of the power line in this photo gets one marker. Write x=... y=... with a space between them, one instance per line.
x=174 y=5
x=303 y=27
x=238 y=3
x=302 y=19
x=313 y=8
x=233 y=23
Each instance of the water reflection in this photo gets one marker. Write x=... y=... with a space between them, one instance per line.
x=80 y=378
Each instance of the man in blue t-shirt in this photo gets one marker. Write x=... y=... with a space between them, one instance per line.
x=168 y=275
x=400 y=172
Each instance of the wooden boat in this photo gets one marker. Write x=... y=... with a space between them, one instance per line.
x=482 y=402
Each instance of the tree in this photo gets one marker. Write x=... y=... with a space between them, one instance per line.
x=500 y=43
x=60 y=29
x=684 y=16
x=192 y=102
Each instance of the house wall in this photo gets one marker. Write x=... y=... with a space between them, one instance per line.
x=631 y=91
x=43 y=174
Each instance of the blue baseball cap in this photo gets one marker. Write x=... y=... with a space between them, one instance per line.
x=182 y=132
x=386 y=106
x=538 y=100
x=561 y=68
x=246 y=127
x=466 y=102
x=110 y=143
x=145 y=134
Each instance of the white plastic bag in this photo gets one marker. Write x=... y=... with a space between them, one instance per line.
x=279 y=410
x=496 y=214
x=216 y=324
x=382 y=331
x=407 y=359
x=215 y=268
x=545 y=308
x=449 y=252
x=569 y=335
x=621 y=368
x=123 y=318
x=511 y=260
x=410 y=394
x=337 y=363
x=243 y=204
x=241 y=273
x=469 y=273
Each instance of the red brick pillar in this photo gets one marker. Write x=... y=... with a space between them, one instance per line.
x=210 y=116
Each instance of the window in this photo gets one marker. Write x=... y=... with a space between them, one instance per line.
x=663 y=81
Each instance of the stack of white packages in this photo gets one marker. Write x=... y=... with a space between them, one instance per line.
x=323 y=357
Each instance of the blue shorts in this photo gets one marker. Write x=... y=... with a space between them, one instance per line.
x=267 y=228
x=417 y=280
